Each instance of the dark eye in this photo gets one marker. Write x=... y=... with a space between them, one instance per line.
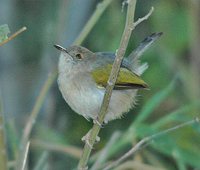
x=79 y=56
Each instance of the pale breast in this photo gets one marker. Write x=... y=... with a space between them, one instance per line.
x=81 y=93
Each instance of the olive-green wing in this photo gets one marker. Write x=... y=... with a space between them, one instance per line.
x=126 y=79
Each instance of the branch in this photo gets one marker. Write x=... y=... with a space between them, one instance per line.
x=103 y=155
x=135 y=164
x=143 y=18
x=42 y=161
x=66 y=149
x=111 y=82
x=24 y=157
x=146 y=141
x=13 y=36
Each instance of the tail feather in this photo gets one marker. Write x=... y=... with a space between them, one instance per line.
x=143 y=46
x=141 y=69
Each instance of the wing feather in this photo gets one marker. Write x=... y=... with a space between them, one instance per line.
x=126 y=79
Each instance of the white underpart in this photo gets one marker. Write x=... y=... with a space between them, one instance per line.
x=82 y=94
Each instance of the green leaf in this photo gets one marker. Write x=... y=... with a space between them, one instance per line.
x=180 y=163
x=4 y=31
x=180 y=114
x=182 y=144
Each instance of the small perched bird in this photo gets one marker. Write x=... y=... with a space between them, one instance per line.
x=83 y=77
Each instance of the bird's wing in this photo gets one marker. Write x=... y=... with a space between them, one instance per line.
x=109 y=57
x=107 y=54
x=126 y=79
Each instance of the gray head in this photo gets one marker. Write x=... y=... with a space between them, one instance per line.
x=74 y=56
x=75 y=52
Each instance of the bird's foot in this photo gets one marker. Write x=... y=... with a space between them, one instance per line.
x=96 y=121
x=86 y=139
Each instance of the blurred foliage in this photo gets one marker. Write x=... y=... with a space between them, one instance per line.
x=4 y=31
x=173 y=76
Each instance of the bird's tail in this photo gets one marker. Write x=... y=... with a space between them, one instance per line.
x=143 y=46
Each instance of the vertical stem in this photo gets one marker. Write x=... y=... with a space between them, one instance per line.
x=3 y=150
x=103 y=155
x=111 y=82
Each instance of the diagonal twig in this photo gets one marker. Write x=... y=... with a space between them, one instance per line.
x=146 y=141
x=129 y=27
x=66 y=149
x=110 y=84
x=143 y=18
x=24 y=157
x=13 y=35
x=42 y=161
x=103 y=155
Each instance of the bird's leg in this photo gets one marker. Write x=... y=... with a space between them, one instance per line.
x=86 y=139
x=96 y=121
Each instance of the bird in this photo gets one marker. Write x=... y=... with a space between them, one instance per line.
x=83 y=76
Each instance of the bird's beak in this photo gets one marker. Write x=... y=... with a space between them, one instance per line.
x=60 y=48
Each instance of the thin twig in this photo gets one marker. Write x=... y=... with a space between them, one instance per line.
x=146 y=141
x=36 y=108
x=111 y=82
x=92 y=21
x=13 y=35
x=66 y=149
x=34 y=113
x=103 y=156
x=25 y=156
x=137 y=165
x=42 y=161
x=3 y=150
x=143 y=18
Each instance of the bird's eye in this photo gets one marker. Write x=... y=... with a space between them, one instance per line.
x=79 y=56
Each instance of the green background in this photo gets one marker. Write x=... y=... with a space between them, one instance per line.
x=173 y=77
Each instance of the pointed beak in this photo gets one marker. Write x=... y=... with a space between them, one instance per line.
x=60 y=48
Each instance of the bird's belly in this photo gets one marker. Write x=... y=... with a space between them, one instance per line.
x=85 y=98
x=82 y=96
